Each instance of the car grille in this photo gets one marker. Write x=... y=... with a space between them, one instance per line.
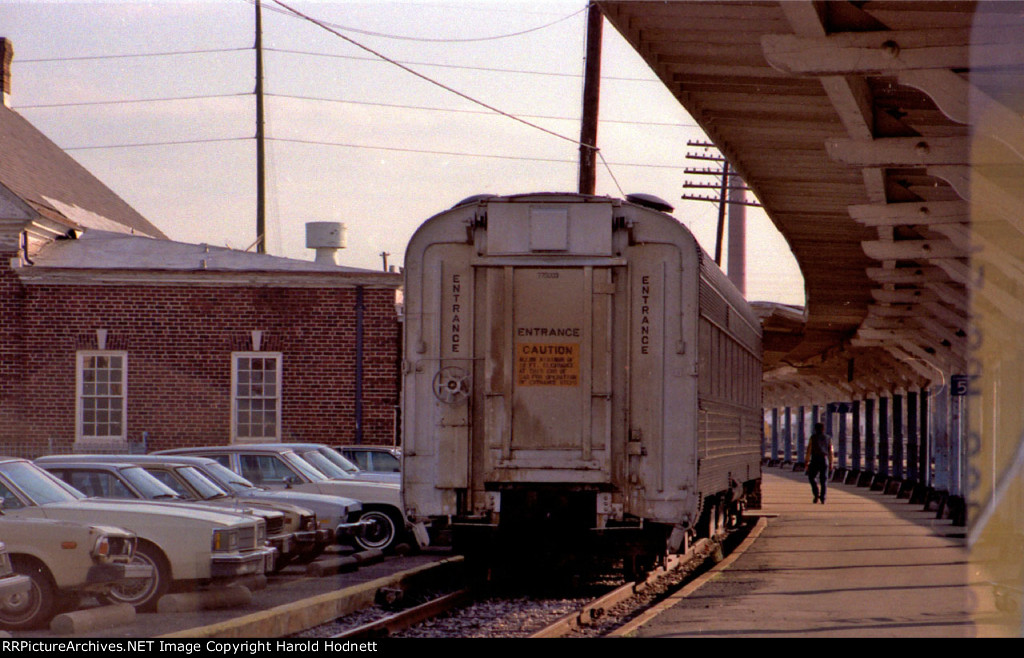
x=121 y=546
x=247 y=538
x=275 y=526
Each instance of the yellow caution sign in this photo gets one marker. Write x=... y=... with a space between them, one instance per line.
x=547 y=364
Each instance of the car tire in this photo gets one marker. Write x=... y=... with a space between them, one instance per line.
x=35 y=608
x=144 y=593
x=383 y=533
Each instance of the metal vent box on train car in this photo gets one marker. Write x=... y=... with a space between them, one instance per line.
x=580 y=229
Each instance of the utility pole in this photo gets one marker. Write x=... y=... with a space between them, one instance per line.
x=261 y=192
x=731 y=194
x=591 y=97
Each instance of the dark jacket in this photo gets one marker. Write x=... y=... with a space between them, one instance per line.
x=820 y=446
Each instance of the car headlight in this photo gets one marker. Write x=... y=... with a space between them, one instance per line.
x=225 y=540
x=102 y=548
x=307 y=522
x=114 y=548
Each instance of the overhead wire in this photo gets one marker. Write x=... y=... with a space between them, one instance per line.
x=464 y=67
x=133 y=100
x=402 y=149
x=332 y=28
x=400 y=106
x=164 y=143
x=452 y=90
x=384 y=35
x=38 y=60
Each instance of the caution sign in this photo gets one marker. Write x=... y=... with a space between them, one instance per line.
x=547 y=364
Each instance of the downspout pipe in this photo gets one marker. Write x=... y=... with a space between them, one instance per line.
x=359 y=364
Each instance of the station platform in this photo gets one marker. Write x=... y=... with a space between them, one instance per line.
x=865 y=564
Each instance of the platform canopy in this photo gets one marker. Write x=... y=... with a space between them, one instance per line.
x=869 y=131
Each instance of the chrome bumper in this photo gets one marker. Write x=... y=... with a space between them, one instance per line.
x=254 y=562
x=111 y=573
x=351 y=530
x=14 y=585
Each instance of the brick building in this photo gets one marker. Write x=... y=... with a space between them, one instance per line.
x=113 y=337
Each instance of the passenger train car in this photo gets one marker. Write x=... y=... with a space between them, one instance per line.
x=578 y=374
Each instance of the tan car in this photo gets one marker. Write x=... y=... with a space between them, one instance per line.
x=63 y=561
x=186 y=548
x=13 y=585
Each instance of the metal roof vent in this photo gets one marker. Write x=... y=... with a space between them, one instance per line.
x=327 y=238
x=650 y=201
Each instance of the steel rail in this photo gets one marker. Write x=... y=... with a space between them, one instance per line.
x=400 y=621
x=597 y=608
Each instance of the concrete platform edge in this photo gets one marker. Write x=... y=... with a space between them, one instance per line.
x=299 y=616
x=696 y=584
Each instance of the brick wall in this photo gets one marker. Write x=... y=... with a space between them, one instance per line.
x=179 y=340
x=11 y=348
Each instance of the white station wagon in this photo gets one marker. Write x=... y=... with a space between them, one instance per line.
x=185 y=547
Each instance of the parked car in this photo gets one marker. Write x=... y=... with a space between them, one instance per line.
x=280 y=467
x=373 y=459
x=184 y=547
x=334 y=465
x=111 y=476
x=15 y=588
x=335 y=517
x=62 y=562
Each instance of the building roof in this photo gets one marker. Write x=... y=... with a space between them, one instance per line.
x=56 y=186
x=130 y=255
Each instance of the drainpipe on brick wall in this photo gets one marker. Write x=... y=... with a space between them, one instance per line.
x=359 y=364
x=24 y=248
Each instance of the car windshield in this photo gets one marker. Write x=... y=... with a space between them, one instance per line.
x=385 y=462
x=147 y=485
x=304 y=467
x=203 y=486
x=227 y=478
x=339 y=460
x=325 y=465
x=37 y=485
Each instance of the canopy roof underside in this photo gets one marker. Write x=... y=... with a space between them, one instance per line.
x=870 y=132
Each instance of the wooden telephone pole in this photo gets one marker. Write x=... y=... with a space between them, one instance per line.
x=591 y=97
x=261 y=191
x=731 y=194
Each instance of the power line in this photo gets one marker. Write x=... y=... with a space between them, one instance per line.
x=487 y=69
x=451 y=89
x=146 y=144
x=314 y=142
x=39 y=60
x=402 y=149
x=398 y=37
x=398 y=106
x=132 y=100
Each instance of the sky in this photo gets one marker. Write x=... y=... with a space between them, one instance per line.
x=379 y=122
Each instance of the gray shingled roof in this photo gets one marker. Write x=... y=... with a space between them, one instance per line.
x=57 y=186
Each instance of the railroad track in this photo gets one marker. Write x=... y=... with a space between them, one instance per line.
x=595 y=617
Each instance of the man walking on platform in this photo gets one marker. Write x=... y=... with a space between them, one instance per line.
x=820 y=460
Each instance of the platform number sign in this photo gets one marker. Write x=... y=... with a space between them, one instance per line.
x=959 y=385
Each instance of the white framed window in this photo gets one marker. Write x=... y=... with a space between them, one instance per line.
x=102 y=395
x=255 y=396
